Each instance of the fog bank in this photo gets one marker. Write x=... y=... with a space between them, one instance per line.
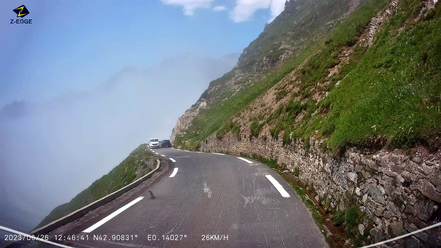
x=51 y=151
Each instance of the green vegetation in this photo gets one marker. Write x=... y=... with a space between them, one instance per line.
x=231 y=126
x=281 y=94
x=120 y=176
x=393 y=92
x=351 y=216
x=269 y=162
x=311 y=206
x=398 y=202
x=338 y=219
x=255 y=129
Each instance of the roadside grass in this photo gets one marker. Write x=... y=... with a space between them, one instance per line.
x=300 y=191
x=230 y=126
x=118 y=177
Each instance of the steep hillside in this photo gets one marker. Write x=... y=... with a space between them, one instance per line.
x=284 y=44
x=351 y=110
x=138 y=163
x=370 y=81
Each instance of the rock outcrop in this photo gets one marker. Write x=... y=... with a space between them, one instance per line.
x=185 y=120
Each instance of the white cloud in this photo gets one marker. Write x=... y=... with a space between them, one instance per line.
x=219 y=8
x=189 y=6
x=244 y=9
x=277 y=6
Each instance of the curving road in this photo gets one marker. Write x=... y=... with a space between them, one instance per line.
x=208 y=200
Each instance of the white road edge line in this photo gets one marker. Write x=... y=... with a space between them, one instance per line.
x=112 y=215
x=174 y=172
x=218 y=153
x=30 y=237
x=246 y=160
x=279 y=187
x=163 y=155
x=174 y=161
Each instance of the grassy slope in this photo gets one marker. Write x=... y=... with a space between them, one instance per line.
x=389 y=93
x=120 y=176
x=394 y=91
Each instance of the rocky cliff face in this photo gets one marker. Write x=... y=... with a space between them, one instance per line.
x=185 y=120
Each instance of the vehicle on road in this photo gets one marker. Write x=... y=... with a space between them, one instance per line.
x=164 y=143
x=153 y=143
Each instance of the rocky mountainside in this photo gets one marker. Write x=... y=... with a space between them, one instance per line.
x=294 y=31
x=345 y=96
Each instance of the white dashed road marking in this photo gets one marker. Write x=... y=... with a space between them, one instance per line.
x=218 y=153
x=174 y=161
x=163 y=155
x=279 y=187
x=174 y=172
x=246 y=160
x=101 y=222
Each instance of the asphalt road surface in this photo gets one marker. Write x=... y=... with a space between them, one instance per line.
x=207 y=200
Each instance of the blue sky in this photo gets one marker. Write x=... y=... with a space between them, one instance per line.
x=76 y=45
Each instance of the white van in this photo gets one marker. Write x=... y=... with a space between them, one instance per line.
x=153 y=143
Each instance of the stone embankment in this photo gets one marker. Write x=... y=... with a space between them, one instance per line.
x=398 y=193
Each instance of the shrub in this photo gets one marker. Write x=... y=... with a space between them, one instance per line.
x=398 y=202
x=281 y=94
x=351 y=216
x=255 y=129
x=337 y=220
